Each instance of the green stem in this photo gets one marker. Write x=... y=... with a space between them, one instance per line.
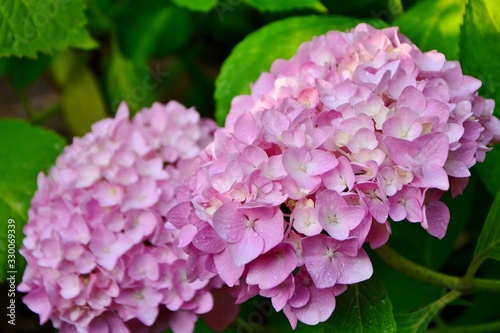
x=408 y=267
x=473 y=267
x=396 y=8
x=488 y=327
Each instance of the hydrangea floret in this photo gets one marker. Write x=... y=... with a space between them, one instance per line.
x=357 y=129
x=98 y=256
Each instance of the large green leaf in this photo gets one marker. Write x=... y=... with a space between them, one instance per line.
x=434 y=24
x=360 y=8
x=31 y=26
x=488 y=245
x=198 y=5
x=489 y=170
x=156 y=29
x=364 y=307
x=285 y=5
x=23 y=71
x=26 y=150
x=417 y=322
x=258 y=50
x=480 y=46
x=81 y=101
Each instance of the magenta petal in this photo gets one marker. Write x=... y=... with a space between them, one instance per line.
x=438 y=217
x=273 y=267
x=321 y=162
x=228 y=272
x=319 y=308
x=229 y=223
x=435 y=177
x=107 y=322
x=300 y=297
x=354 y=269
x=456 y=168
x=271 y=230
x=208 y=241
x=38 y=302
x=179 y=214
x=186 y=235
x=249 y=247
x=319 y=257
x=245 y=128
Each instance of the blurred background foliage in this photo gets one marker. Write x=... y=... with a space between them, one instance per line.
x=65 y=64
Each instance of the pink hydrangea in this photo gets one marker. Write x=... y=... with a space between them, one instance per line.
x=356 y=129
x=98 y=256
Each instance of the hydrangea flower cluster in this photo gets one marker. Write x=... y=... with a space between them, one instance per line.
x=356 y=129
x=99 y=258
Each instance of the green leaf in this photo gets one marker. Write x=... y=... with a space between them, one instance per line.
x=26 y=150
x=360 y=8
x=23 y=71
x=31 y=26
x=417 y=322
x=81 y=101
x=479 y=46
x=197 y=5
x=481 y=31
x=488 y=245
x=129 y=80
x=434 y=24
x=286 y=5
x=364 y=307
x=489 y=170
x=157 y=29
x=406 y=293
x=258 y=50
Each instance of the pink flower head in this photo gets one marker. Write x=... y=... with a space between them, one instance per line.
x=99 y=257
x=358 y=127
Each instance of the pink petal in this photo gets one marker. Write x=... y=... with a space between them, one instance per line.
x=38 y=302
x=273 y=267
x=208 y=241
x=229 y=223
x=319 y=308
x=249 y=247
x=437 y=217
x=228 y=272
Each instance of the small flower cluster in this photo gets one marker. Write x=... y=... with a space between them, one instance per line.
x=99 y=258
x=356 y=128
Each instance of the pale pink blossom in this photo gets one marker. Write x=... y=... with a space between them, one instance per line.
x=99 y=258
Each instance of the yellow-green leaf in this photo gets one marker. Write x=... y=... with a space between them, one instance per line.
x=286 y=5
x=81 y=101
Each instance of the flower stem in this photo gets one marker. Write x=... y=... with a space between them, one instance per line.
x=473 y=267
x=410 y=268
